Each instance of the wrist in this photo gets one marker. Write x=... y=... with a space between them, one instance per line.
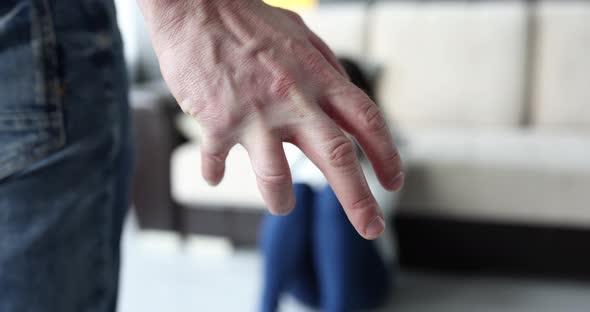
x=162 y=12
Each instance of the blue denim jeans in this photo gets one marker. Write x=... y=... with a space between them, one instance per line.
x=65 y=155
x=317 y=256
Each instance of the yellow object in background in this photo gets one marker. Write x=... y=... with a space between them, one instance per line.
x=293 y=4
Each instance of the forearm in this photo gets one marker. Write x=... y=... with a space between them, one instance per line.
x=157 y=6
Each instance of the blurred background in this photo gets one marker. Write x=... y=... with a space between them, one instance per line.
x=491 y=101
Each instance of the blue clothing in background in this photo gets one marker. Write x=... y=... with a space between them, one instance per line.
x=316 y=255
x=65 y=155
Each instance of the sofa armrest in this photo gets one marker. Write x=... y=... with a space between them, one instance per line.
x=154 y=109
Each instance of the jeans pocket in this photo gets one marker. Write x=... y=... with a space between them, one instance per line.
x=31 y=115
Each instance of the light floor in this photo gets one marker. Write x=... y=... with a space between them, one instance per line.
x=160 y=275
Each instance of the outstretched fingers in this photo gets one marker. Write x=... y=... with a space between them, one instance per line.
x=335 y=155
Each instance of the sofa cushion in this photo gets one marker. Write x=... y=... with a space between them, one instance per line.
x=238 y=188
x=341 y=26
x=562 y=84
x=510 y=175
x=451 y=63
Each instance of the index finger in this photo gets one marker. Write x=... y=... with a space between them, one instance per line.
x=335 y=155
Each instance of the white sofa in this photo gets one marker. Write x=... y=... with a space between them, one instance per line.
x=493 y=98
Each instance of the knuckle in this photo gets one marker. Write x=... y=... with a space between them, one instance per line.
x=340 y=152
x=364 y=203
x=294 y=16
x=218 y=158
x=191 y=108
x=392 y=157
x=372 y=118
x=313 y=59
x=284 y=81
x=315 y=62
x=218 y=119
x=274 y=179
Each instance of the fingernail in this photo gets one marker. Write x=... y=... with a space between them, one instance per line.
x=398 y=181
x=283 y=205
x=213 y=182
x=375 y=228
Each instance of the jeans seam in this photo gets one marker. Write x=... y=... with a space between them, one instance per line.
x=39 y=152
x=49 y=87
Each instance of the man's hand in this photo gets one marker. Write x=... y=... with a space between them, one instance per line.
x=255 y=75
